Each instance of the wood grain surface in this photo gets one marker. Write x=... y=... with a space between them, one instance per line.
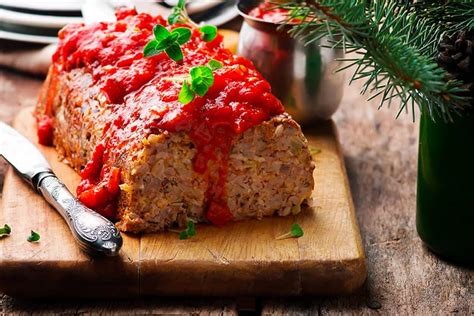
x=240 y=259
x=403 y=276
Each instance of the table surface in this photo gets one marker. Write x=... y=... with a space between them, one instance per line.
x=381 y=158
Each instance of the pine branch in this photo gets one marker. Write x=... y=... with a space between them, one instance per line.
x=451 y=15
x=395 y=47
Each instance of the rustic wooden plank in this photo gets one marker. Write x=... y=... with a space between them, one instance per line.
x=329 y=259
x=380 y=154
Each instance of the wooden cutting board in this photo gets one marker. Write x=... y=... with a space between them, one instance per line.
x=240 y=259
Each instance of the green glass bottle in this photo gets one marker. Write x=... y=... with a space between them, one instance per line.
x=445 y=199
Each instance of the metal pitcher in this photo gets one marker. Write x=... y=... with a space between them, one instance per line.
x=302 y=76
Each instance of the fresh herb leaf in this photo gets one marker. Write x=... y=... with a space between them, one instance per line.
x=160 y=32
x=209 y=32
x=202 y=79
x=174 y=52
x=152 y=49
x=184 y=34
x=168 y=42
x=189 y=232
x=295 y=232
x=178 y=12
x=191 y=228
x=186 y=95
x=215 y=64
x=183 y=235
x=5 y=231
x=34 y=237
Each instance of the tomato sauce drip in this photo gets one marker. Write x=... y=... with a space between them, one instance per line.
x=143 y=95
x=45 y=130
x=270 y=12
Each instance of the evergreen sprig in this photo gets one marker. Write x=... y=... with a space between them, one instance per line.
x=395 y=45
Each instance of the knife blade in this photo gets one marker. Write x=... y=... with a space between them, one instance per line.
x=94 y=233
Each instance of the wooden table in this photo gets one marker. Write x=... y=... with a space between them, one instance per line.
x=381 y=159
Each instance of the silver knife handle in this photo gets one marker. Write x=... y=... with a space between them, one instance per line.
x=94 y=233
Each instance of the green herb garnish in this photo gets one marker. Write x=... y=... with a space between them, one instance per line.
x=209 y=32
x=202 y=79
x=178 y=10
x=295 y=232
x=189 y=232
x=34 y=237
x=179 y=15
x=168 y=42
x=5 y=231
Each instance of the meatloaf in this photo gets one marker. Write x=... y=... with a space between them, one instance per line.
x=150 y=162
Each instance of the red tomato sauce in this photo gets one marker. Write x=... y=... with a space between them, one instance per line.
x=143 y=94
x=270 y=12
x=45 y=130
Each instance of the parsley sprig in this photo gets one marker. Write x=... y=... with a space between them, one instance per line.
x=202 y=79
x=5 y=231
x=295 y=232
x=168 y=42
x=34 y=237
x=189 y=232
x=179 y=15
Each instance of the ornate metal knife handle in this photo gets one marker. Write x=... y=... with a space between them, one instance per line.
x=94 y=233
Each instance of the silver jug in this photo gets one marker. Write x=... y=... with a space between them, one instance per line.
x=302 y=76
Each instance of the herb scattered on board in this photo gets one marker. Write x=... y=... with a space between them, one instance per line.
x=5 y=231
x=34 y=237
x=189 y=232
x=295 y=232
x=202 y=79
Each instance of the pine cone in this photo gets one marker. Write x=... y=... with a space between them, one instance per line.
x=457 y=57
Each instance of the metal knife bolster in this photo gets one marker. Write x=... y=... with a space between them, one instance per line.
x=94 y=233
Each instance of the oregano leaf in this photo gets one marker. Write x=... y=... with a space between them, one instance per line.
x=185 y=95
x=160 y=32
x=200 y=88
x=184 y=34
x=209 y=32
x=191 y=228
x=296 y=231
x=34 y=237
x=5 y=230
x=183 y=235
x=174 y=52
x=202 y=74
x=152 y=48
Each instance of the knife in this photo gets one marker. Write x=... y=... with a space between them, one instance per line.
x=94 y=233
